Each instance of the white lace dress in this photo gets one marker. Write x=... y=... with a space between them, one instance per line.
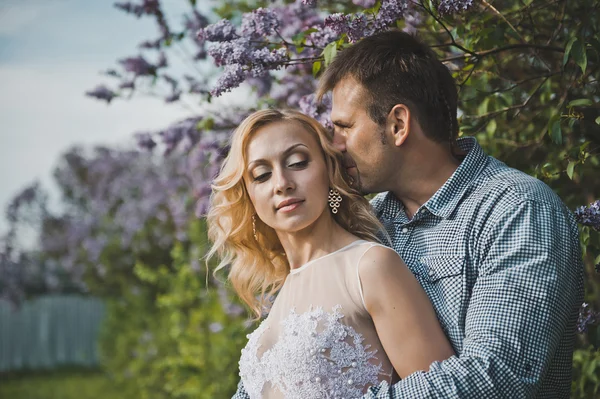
x=318 y=340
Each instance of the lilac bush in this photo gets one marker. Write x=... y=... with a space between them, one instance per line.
x=589 y=215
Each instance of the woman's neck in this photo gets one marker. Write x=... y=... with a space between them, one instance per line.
x=319 y=239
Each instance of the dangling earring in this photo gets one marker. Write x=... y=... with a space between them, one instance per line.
x=254 y=227
x=334 y=200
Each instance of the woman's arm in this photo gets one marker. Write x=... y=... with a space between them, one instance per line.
x=402 y=313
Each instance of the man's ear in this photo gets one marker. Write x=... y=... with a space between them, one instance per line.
x=398 y=123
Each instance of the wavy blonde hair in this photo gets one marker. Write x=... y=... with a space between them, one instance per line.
x=258 y=267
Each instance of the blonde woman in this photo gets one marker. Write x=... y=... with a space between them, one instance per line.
x=348 y=313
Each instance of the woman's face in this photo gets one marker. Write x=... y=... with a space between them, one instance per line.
x=286 y=176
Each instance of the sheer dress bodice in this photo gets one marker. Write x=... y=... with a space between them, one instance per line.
x=318 y=340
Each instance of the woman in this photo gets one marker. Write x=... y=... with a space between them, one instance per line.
x=348 y=313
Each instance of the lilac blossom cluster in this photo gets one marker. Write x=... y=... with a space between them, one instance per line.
x=453 y=6
x=102 y=92
x=318 y=110
x=589 y=215
x=138 y=66
x=24 y=272
x=123 y=205
x=587 y=318
x=359 y=25
x=247 y=54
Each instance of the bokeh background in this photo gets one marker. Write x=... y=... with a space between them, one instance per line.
x=114 y=117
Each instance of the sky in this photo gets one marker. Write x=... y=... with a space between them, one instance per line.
x=51 y=52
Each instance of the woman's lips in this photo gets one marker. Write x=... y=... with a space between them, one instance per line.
x=290 y=207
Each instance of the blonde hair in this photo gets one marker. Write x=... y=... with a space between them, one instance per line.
x=258 y=267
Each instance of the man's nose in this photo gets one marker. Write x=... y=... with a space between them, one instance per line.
x=339 y=141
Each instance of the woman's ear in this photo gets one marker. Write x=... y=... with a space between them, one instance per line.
x=398 y=124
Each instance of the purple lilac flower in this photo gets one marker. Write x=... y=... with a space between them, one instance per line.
x=162 y=60
x=196 y=23
x=260 y=22
x=113 y=73
x=231 y=78
x=364 y=3
x=232 y=52
x=310 y=3
x=322 y=36
x=292 y=88
x=590 y=215
x=145 y=141
x=262 y=84
x=358 y=27
x=389 y=12
x=337 y=22
x=170 y=80
x=102 y=93
x=174 y=96
x=149 y=7
x=412 y=19
x=453 y=6
x=128 y=84
x=319 y=111
x=270 y=58
x=222 y=31
x=215 y=327
x=587 y=317
x=138 y=65
x=296 y=17
x=150 y=44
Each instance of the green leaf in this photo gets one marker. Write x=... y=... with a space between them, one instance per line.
x=580 y=102
x=491 y=127
x=568 y=48
x=585 y=235
x=555 y=129
x=579 y=55
x=598 y=120
x=205 y=124
x=316 y=68
x=571 y=169
x=329 y=53
x=585 y=145
x=193 y=2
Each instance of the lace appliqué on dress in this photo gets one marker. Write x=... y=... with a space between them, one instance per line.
x=316 y=356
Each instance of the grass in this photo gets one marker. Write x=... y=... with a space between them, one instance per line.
x=62 y=384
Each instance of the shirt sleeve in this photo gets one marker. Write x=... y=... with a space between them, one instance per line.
x=524 y=302
x=241 y=392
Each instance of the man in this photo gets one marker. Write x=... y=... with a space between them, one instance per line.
x=495 y=249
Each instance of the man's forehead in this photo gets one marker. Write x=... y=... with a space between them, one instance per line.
x=348 y=97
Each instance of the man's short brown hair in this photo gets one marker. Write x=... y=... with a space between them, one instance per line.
x=396 y=68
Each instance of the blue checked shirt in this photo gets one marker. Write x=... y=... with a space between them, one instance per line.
x=498 y=254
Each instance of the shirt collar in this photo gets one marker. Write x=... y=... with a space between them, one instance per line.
x=446 y=198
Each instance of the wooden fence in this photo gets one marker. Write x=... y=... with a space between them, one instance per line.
x=49 y=332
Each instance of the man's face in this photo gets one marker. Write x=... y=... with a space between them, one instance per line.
x=367 y=155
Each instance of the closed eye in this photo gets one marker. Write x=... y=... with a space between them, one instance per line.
x=262 y=177
x=299 y=165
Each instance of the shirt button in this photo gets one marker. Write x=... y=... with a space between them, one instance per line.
x=405 y=230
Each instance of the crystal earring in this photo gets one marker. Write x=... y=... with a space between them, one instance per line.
x=334 y=200
x=254 y=227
